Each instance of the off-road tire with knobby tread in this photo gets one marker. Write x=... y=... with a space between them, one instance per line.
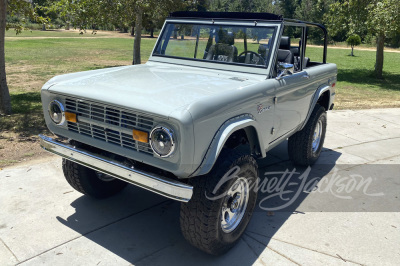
x=200 y=218
x=300 y=144
x=86 y=181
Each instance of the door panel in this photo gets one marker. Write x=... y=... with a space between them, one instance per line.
x=291 y=102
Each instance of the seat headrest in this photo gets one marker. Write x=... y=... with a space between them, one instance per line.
x=231 y=38
x=225 y=37
x=295 y=51
x=285 y=43
x=262 y=49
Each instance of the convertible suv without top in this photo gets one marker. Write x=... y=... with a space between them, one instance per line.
x=218 y=92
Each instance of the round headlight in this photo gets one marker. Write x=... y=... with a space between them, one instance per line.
x=161 y=141
x=56 y=112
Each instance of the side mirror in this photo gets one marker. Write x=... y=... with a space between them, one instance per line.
x=284 y=69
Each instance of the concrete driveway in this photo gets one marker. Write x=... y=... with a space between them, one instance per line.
x=346 y=212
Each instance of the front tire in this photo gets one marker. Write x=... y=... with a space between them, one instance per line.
x=90 y=182
x=305 y=146
x=219 y=211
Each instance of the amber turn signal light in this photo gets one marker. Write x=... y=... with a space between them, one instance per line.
x=140 y=136
x=70 y=117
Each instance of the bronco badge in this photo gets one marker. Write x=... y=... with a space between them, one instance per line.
x=262 y=109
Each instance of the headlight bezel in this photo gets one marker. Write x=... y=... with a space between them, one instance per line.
x=62 y=109
x=170 y=134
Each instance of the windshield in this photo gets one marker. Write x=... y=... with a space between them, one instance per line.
x=242 y=45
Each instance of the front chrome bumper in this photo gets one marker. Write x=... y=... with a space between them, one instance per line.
x=164 y=186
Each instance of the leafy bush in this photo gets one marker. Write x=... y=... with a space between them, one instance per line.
x=353 y=40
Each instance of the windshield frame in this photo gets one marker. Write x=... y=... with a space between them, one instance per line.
x=231 y=66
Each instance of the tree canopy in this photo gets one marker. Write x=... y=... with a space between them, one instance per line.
x=379 y=18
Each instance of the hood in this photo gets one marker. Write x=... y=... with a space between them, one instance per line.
x=157 y=88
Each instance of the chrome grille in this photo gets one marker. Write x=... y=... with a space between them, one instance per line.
x=109 y=124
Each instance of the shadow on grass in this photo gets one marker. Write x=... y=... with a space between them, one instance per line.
x=27 y=118
x=26 y=102
x=363 y=76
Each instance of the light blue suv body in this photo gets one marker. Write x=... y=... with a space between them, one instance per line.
x=203 y=100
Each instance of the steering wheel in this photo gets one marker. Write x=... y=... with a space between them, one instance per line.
x=260 y=59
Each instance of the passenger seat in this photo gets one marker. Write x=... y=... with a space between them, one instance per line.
x=296 y=53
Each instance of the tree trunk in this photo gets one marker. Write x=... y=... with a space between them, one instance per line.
x=133 y=30
x=152 y=33
x=138 y=38
x=380 y=44
x=352 y=49
x=5 y=101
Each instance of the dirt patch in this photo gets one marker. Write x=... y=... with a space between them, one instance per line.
x=22 y=76
x=87 y=34
x=106 y=34
x=25 y=82
x=103 y=63
x=390 y=50
x=19 y=140
x=355 y=104
x=16 y=149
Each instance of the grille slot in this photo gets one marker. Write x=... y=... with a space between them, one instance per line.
x=108 y=124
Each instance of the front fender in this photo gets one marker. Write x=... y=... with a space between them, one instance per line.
x=224 y=132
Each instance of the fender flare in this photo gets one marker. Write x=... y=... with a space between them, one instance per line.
x=320 y=91
x=222 y=135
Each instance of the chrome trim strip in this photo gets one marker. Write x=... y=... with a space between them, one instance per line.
x=163 y=186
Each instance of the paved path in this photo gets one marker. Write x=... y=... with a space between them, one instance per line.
x=44 y=221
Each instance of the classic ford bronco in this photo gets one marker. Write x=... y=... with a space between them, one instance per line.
x=218 y=92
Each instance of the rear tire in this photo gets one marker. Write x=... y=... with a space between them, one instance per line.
x=305 y=146
x=90 y=182
x=204 y=221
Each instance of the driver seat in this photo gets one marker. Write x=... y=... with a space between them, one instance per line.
x=224 y=50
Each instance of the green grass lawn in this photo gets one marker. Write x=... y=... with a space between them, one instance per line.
x=357 y=87
x=30 y=62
